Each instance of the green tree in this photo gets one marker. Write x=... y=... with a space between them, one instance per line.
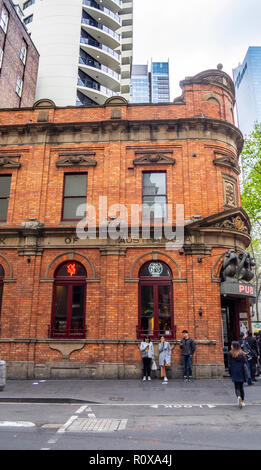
x=251 y=196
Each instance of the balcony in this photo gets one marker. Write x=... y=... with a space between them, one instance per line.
x=113 y=5
x=95 y=91
x=103 y=74
x=102 y=14
x=61 y=332
x=101 y=33
x=102 y=53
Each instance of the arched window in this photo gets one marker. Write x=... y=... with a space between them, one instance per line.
x=2 y=275
x=68 y=315
x=155 y=301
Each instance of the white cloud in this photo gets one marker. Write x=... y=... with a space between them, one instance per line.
x=195 y=35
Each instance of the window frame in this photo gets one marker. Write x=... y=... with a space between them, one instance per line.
x=75 y=219
x=23 y=55
x=4 y=21
x=19 y=86
x=6 y=197
x=70 y=283
x=156 y=282
x=156 y=195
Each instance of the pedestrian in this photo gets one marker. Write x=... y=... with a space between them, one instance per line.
x=254 y=351
x=246 y=348
x=164 y=358
x=147 y=352
x=188 y=347
x=236 y=367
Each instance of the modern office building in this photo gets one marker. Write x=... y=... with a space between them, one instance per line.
x=85 y=48
x=247 y=78
x=18 y=59
x=150 y=86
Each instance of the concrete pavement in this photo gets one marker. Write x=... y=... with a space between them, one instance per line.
x=215 y=391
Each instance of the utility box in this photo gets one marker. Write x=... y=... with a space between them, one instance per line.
x=2 y=375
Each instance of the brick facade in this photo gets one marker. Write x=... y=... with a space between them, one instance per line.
x=11 y=42
x=194 y=141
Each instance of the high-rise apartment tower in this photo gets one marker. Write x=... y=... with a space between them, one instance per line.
x=85 y=48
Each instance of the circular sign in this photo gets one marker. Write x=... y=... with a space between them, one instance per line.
x=155 y=269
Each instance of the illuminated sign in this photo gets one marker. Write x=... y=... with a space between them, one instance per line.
x=71 y=269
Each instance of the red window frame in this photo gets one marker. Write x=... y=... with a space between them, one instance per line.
x=155 y=282
x=69 y=282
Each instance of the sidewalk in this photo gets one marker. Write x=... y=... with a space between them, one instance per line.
x=219 y=391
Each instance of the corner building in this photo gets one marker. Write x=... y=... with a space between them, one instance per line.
x=73 y=307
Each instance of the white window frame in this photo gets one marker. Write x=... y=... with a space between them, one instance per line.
x=23 y=53
x=4 y=19
x=1 y=57
x=19 y=86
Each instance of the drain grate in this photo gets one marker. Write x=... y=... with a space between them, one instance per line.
x=97 y=425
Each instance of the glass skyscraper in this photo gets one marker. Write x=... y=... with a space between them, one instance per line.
x=247 y=79
x=150 y=86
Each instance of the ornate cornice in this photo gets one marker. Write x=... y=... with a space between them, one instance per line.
x=201 y=128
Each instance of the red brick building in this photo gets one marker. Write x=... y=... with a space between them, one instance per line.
x=78 y=307
x=19 y=60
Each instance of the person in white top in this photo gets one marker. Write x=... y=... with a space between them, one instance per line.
x=147 y=351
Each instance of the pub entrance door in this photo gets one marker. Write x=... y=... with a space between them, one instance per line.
x=231 y=308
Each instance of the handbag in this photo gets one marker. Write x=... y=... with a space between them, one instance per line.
x=246 y=372
x=154 y=365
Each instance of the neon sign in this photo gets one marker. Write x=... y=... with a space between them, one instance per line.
x=71 y=269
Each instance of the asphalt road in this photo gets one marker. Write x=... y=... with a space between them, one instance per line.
x=121 y=426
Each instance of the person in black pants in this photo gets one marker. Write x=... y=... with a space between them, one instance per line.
x=147 y=351
x=254 y=352
x=188 y=347
x=236 y=367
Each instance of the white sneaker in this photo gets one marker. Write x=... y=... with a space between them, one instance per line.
x=239 y=400
x=149 y=378
x=243 y=404
x=144 y=378
x=165 y=380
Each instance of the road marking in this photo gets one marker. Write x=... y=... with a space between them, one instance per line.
x=81 y=409
x=97 y=425
x=21 y=424
x=63 y=428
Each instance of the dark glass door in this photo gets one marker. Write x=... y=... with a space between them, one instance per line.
x=69 y=311
x=155 y=301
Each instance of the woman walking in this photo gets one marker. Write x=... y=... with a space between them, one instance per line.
x=164 y=358
x=236 y=366
x=147 y=352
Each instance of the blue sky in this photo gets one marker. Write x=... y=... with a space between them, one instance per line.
x=195 y=35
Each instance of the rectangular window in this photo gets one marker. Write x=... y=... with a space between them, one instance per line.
x=23 y=53
x=75 y=192
x=5 y=183
x=28 y=4
x=1 y=57
x=154 y=195
x=4 y=19
x=29 y=19
x=19 y=86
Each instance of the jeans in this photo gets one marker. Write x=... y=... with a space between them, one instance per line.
x=187 y=364
x=249 y=381
x=239 y=389
x=146 y=366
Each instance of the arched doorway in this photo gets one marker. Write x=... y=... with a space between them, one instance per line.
x=155 y=301
x=69 y=300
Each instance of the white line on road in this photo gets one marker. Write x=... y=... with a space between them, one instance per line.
x=63 y=428
x=21 y=424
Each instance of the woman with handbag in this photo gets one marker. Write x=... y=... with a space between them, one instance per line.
x=237 y=366
x=147 y=352
x=164 y=358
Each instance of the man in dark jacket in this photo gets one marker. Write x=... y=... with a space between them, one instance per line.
x=254 y=351
x=188 y=347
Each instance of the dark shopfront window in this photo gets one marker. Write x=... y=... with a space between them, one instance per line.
x=68 y=317
x=2 y=273
x=156 y=301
